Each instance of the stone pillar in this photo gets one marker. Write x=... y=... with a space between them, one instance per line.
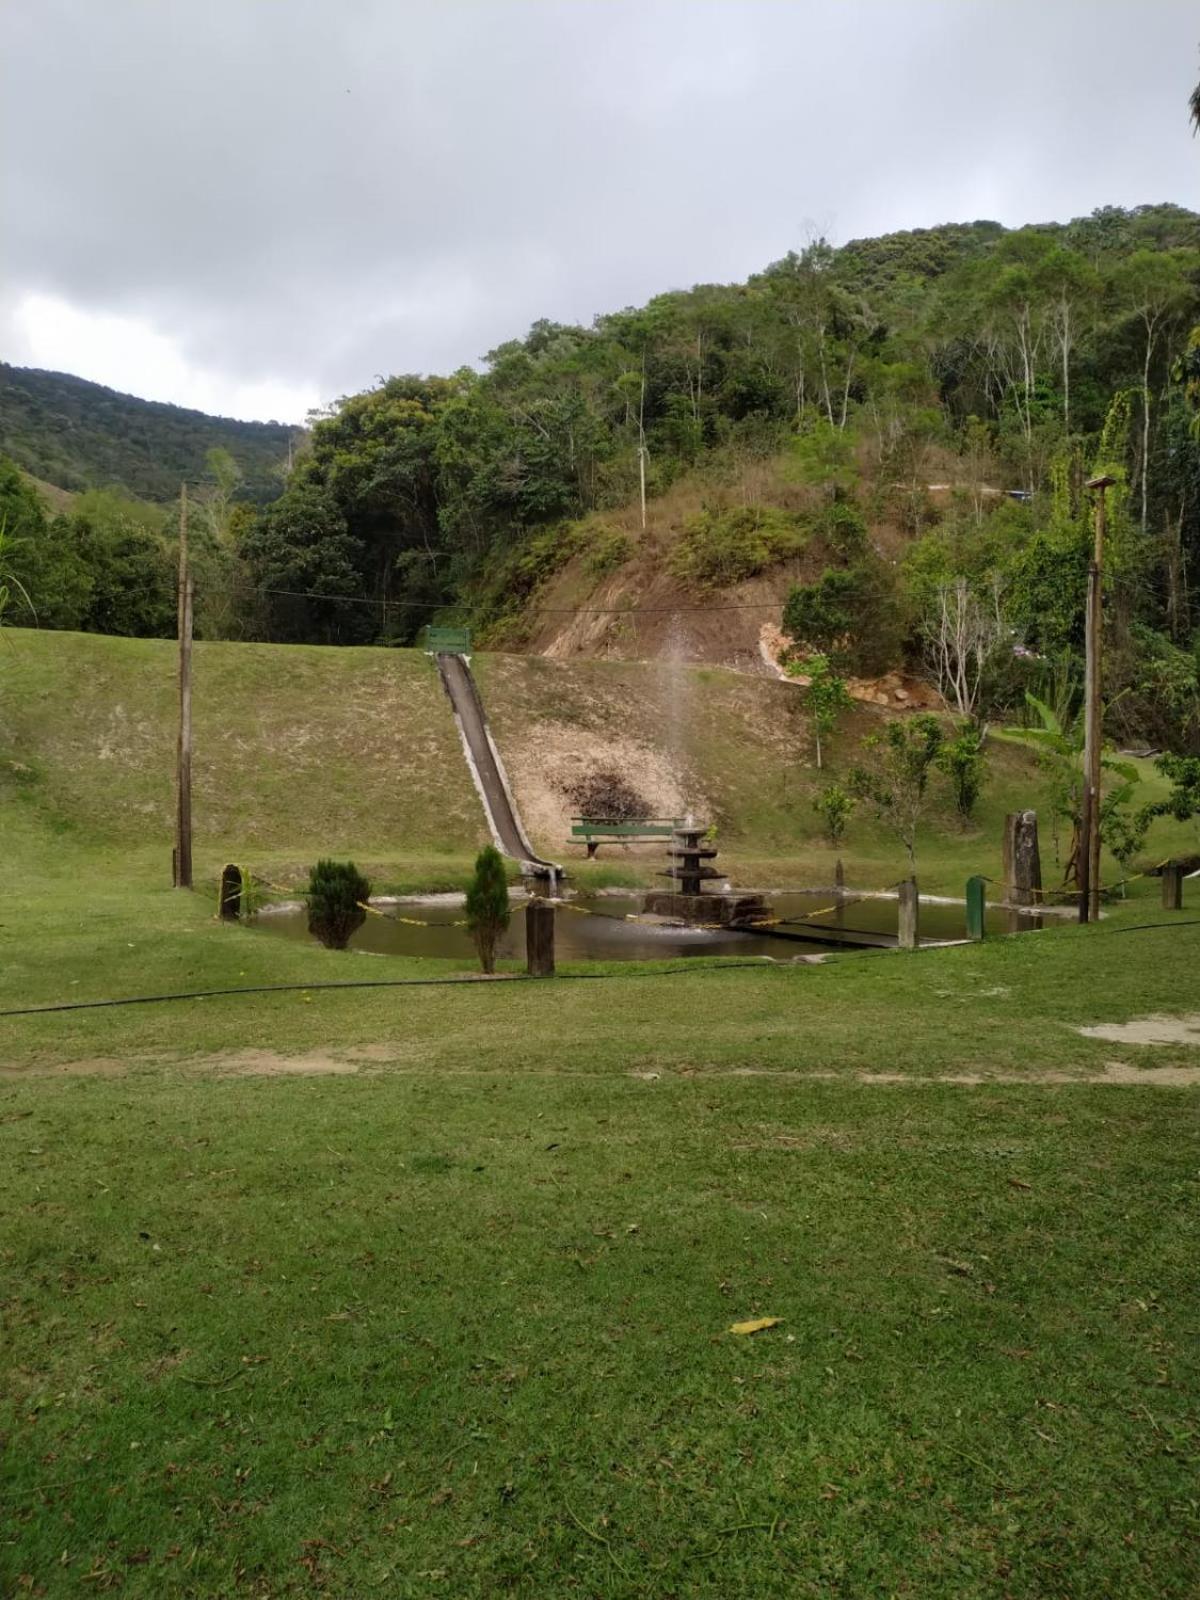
x=909 y=902
x=1022 y=859
x=539 y=939
x=1172 y=886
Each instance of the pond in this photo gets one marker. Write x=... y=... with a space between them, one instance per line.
x=597 y=929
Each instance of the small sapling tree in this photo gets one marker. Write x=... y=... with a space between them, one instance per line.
x=487 y=905
x=337 y=893
x=963 y=761
x=1124 y=832
x=833 y=806
x=895 y=779
x=826 y=699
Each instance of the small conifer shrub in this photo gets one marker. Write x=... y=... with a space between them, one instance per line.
x=487 y=905
x=337 y=892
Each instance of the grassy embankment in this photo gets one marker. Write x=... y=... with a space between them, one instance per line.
x=301 y=752
x=422 y=1291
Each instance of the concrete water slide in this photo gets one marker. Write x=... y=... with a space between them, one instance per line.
x=487 y=769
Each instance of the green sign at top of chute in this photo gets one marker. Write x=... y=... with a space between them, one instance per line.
x=447 y=641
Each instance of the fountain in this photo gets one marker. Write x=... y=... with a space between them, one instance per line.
x=690 y=867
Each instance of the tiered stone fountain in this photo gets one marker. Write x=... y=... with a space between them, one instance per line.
x=691 y=867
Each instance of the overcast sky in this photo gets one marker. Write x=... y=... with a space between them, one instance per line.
x=253 y=206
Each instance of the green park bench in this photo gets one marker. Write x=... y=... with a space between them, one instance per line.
x=634 y=830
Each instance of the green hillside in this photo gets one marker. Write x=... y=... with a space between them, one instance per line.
x=80 y=435
x=303 y=750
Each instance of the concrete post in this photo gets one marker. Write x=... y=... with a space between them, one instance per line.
x=1172 y=886
x=976 y=907
x=909 y=903
x=539 y=939
x=1022 y=859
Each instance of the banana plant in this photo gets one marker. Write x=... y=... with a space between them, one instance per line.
x=8 y=578
x=1060 y=751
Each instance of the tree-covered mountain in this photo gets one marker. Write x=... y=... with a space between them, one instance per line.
x=79 y=435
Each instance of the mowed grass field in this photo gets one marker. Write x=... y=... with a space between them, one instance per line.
x=427 y=1290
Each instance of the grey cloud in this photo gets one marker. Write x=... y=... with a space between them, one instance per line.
x=308 y=191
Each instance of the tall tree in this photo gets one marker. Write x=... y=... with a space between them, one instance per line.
x=1070 y=286
x=1150 y=288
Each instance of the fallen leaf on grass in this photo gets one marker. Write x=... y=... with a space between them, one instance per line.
x=756 y=1325
x=964 y=1269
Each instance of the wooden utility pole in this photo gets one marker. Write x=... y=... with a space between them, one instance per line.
x=1089 y=840
x=183 y=754
x=642 y=442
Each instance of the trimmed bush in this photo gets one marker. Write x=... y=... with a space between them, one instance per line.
x=337 y=892
x=608 y=796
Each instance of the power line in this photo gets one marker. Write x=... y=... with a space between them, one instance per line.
x=557 y=611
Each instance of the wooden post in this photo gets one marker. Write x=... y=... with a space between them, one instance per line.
x=539 y=938
x=976 y=907
x=1022 y=859
x=909 y=904
x=1172 y=886
x=1089 y=842
x=183 y=755
x=229 y=907
x=839 y=891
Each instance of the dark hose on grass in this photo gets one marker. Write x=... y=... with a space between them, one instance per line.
x=366 y=983
x=760 y=962
x=1148 y=927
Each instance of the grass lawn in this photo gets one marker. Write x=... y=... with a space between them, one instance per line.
x=427 y=1291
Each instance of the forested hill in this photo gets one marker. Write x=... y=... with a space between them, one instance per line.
x=80 y=435
x=873 y=448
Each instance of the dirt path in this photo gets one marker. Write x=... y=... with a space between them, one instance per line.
x=399 y=1057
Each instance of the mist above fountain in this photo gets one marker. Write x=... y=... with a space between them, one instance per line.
x=689 y=869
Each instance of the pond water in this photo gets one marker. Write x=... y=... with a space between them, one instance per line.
x=599 y=930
